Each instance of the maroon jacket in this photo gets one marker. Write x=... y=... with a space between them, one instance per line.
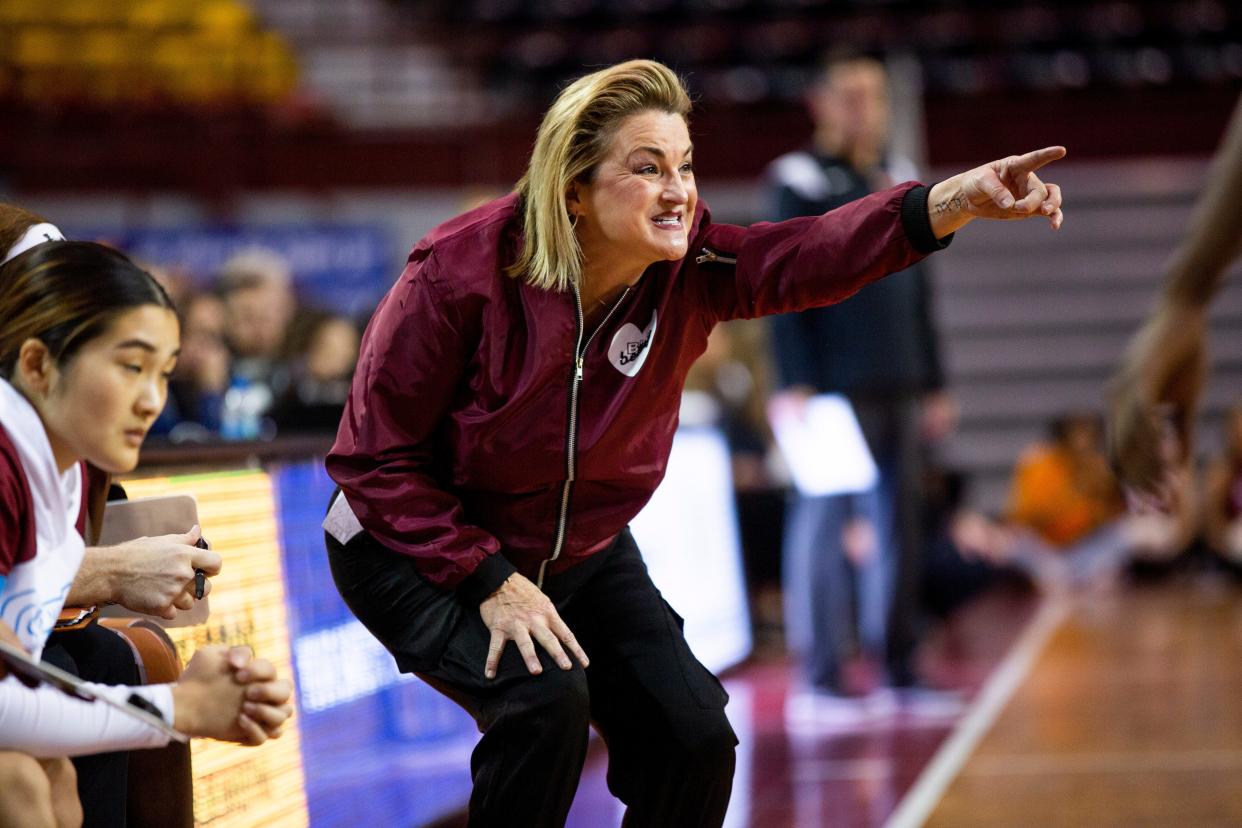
x=476 y=441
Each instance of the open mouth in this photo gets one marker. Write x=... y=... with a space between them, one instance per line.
x=668 y=222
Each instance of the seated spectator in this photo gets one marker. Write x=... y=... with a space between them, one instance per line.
x=1223 y=501
x=1063 y=490
x=321 y=377
x=196 y=390
x=967 y=551
x=256 y=287
x=1077 y=533
x=175 y=281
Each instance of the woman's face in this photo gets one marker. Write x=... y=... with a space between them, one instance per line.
x=333 y=350
x=100 y=405
x=202 y=339
x=639 y=206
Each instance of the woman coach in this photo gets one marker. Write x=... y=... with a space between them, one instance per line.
x=514 y=407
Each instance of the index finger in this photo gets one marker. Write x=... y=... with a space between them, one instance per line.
x=1037 y=158
x=206 y=560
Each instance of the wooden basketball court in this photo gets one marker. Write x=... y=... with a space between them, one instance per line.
x=1110 y=709
x=1130 y=714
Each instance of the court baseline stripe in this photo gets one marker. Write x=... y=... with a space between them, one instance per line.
x=923 y=797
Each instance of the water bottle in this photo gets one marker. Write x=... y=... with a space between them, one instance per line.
x=244 y=404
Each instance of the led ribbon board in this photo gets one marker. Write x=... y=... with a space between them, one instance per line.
x=236 y=785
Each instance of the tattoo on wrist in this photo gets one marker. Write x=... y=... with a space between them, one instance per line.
x=955 y=203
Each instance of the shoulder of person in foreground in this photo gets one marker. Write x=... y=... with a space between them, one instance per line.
x=474 y=247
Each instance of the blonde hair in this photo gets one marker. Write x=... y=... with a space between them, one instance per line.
x=572 y=140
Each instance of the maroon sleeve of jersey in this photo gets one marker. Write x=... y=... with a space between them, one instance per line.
x=413 y=357
x=84 y=507
x=811 y=261
x=17 y=531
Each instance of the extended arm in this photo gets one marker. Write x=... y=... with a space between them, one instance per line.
x=814 y=261
x=1161 y=375
x=1197 y=268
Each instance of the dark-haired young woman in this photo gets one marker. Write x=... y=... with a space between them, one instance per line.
x=86 y=343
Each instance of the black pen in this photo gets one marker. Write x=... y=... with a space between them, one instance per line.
x=200 y=577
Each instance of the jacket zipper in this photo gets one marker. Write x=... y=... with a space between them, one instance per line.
x=571 y=437
x=709 y=256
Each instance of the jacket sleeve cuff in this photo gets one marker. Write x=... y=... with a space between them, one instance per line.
x=917 y=222
x=486 y=579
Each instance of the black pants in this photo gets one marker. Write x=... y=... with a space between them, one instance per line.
x=660 y=712
x=99 y=655
x=890 y=424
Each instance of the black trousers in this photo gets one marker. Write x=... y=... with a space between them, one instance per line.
x=890 y=425
x=100 y=655
x=660 y=712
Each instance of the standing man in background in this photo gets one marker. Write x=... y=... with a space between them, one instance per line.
x=880 y=350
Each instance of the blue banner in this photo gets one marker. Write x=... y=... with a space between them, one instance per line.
x=345 y=268
x=378 y=747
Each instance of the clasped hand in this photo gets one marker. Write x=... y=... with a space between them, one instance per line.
x=226 y=693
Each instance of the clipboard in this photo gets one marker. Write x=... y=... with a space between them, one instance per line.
x=824 y=446
x=33 y=673
x=125 y=520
